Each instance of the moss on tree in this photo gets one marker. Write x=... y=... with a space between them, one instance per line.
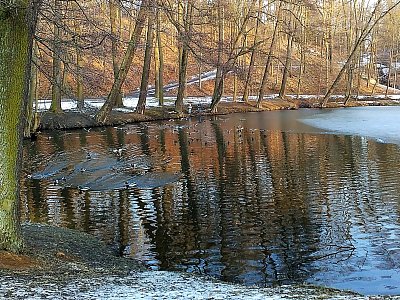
x=14 y=46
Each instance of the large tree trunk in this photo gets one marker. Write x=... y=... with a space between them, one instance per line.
x=302 y=47
x=15 y=47
x=105 y=110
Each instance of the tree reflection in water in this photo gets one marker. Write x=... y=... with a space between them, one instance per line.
x=253 y=205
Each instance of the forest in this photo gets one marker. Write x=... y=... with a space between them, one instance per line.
x=112 y=49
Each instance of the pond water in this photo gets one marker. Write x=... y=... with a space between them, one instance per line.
x=258 y=198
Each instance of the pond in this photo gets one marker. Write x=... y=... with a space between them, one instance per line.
x=257 y=198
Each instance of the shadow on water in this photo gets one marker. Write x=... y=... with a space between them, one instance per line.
x=236 y=198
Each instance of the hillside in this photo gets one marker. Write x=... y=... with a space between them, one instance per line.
x=314 y=60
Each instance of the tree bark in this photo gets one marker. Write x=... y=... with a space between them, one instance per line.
x=302 y=47
x=15 y=51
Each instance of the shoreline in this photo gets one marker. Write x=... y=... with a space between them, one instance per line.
x=72 y=119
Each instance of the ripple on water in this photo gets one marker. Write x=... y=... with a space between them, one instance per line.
x=265 y=205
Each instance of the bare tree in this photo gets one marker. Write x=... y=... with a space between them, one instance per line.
x=373 y=20
x=126 y=63
x=141 y=106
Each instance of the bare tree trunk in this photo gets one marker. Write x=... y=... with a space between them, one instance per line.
x=32 y=116
x=396 y=68
x=218 y=86
x=79 y=79
x=302 y=47
x=224 y=68
x=235 y=87
x=264 y=81
x=200 y=63
x=141 y=106
x=184 y=57
x=160 y=64
x=57 y=74
x=282 y=91
x=182 y=79
x=359 y=74
x=115 y=11
x=349 y=42
x=349 y=84
x=157 y=86
x=389 y=73
x=79 y=66
x=253 y=56
x=105 y=110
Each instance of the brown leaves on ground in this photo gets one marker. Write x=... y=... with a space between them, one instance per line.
x=12 y=261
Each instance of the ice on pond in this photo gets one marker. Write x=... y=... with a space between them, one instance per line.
x=379 y=123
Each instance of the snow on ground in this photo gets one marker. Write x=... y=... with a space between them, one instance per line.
x=131 y=102
x=157 y=285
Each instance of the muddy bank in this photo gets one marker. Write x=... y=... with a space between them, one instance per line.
x=75 y=274
x=61 y=263
x=62 y=252
x=74 y=119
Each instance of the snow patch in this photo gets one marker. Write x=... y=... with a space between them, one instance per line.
x=156 y=285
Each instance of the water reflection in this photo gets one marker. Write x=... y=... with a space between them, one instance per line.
x=254 y=205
